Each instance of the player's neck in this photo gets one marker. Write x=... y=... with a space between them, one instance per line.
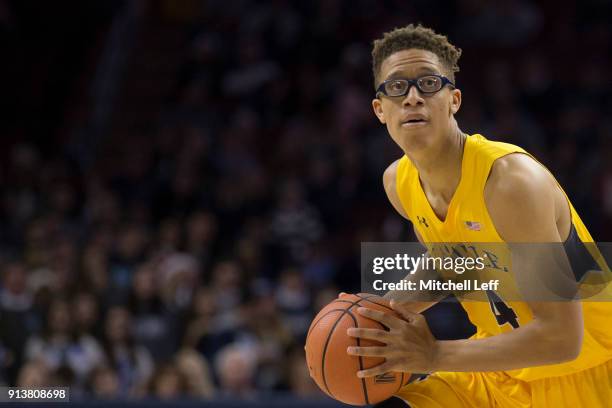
x=440 y=169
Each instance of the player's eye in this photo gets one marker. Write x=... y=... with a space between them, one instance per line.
x=429 y=83
x=396 y=87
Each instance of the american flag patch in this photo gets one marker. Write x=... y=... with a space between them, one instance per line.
x=472 y=225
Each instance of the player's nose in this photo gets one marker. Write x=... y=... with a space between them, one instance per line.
x=413 y=97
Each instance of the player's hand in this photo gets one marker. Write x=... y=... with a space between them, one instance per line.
x=409 y=344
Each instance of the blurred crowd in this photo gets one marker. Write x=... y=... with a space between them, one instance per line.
x=188 y=257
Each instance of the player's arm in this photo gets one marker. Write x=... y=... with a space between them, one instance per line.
x=522 y=200
x=413 y=300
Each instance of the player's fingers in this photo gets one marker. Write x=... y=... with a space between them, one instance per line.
x=379 y=369
x=391 y=322
x=371 y=334
x=341 y=294
x=368 y=351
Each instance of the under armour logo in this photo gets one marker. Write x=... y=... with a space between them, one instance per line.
x=422 y=221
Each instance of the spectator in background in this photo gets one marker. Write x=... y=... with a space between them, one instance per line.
x=294 y=300
x=201 y=232
x=102 y=207
x=194 y=368
x=271 y=336
x=169 y=236
x=34 y=374
x=298 y=376
x=63 y=261
x=206 y=331
x=152 y=322
x=228 y=285
x=61 y=348
x=235 y=367
x=295 y=224
x=104 y=383
x=178 y=275
x=129 y=251
x=16 y=317
x=86 y=308
x=95 y=267
x=132 y=362
x=168 y=383
x=14 y=293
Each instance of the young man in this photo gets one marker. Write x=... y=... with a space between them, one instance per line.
x=459 y=188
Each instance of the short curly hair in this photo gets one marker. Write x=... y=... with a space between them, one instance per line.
x=418 y=37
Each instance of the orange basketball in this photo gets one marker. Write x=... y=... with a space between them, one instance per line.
x=335 y=371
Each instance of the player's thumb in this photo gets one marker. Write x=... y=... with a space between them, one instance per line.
x=403 y=309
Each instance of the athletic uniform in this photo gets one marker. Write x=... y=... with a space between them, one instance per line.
x=584 y=382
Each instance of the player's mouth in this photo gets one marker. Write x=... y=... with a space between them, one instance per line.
x=414 y=120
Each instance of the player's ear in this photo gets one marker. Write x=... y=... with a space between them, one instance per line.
x=455 y=102
x=378 y=111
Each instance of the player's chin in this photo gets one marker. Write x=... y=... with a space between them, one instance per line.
x=416 y=135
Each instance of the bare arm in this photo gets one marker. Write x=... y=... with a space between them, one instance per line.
x=555 y=333
x=406 y=296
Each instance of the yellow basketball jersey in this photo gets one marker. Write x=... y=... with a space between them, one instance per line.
x=468 y=221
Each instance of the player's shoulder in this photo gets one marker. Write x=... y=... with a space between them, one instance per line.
x=390 y=175
x=516 y=174
x=519 y=196
x=395 y=176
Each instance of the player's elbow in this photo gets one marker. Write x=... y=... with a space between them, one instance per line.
x=573 y=349
x=568 y=347
x=564 y=334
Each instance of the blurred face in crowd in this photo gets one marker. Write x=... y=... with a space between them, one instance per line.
x=59 y=317
x=144 y=282
x=416 y=121
x=168 y=384
x=226 y=275
x=105 y=383
x=95 y=266
x=170 y=233
x=85 y=307
x=194 y=371
x=132 y=241
x=118 y=324
x=14 y=278
x=33 y=374
x=236 y=368
x=205 y=303
x=201 y=228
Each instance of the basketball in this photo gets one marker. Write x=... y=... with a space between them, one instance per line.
x=335 y=371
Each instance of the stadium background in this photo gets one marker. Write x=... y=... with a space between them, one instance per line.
x=184 y=183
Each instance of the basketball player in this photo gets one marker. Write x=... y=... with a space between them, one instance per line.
x=455 y=187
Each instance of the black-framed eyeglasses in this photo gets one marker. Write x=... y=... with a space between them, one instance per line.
x=427 y=84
